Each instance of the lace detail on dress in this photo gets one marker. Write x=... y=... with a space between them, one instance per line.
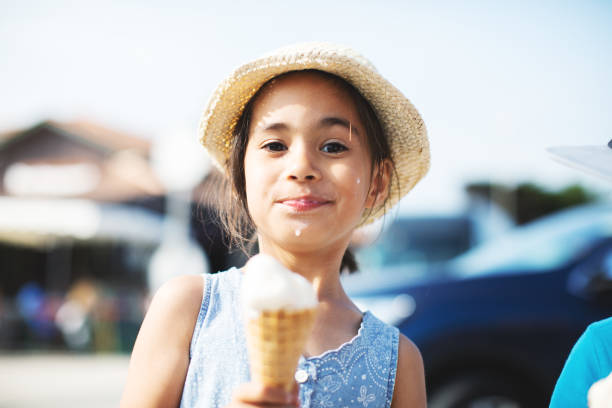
x=360 y=373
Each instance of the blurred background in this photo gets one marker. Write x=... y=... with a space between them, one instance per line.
x=101 y=181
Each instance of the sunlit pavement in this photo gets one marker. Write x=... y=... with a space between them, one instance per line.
x=61 y=380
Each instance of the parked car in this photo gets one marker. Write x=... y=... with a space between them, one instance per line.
x=496 y=324
x=422 y=240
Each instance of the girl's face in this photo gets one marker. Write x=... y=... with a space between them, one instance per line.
x=307 y=165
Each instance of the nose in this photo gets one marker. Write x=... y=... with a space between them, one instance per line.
x=302 y=167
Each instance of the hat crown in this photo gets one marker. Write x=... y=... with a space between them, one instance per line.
x=313 y=48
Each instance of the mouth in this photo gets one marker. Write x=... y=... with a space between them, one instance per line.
x=305 y=203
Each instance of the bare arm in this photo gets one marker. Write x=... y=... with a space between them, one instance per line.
x=410 y=378
x=160 y=357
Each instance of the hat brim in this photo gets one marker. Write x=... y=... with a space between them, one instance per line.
x=595 y=160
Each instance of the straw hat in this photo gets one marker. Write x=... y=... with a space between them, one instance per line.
x=596 y=160
x=401 y=122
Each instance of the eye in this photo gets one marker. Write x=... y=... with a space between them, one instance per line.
x=274 y=147
x=334 y=147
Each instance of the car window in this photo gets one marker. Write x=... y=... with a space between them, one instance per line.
x=417 y=241
x=547 y=243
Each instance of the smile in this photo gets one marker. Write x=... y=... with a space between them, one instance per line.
x=304 y=203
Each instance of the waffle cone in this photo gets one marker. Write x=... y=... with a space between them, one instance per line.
x=275 y=340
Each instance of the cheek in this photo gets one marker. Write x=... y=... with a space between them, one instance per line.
x=252 y=173
x=354 y=183
x=259 y=177
x=251 y=192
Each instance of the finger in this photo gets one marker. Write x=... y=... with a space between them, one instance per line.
x=295 y=394
x=239 y=404
x=255 y=393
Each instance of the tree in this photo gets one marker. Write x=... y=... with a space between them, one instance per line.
x=527 y=201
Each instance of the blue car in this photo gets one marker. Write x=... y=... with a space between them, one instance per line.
x=496 y=324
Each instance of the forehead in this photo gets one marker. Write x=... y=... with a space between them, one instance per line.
x=311 y=89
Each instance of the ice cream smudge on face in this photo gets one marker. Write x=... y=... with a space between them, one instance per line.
x=298 y=232
x=268 y=285
x=358 y=180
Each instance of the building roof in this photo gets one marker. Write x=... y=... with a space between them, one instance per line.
x=121 y=172
x=89 y=132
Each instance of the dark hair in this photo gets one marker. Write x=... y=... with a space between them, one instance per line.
x=227 y=193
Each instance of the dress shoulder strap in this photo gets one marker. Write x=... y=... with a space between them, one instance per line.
x=202 y=313
x=382 y=340
x=215 y=286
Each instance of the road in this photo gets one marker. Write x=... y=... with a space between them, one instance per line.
x=61 y=380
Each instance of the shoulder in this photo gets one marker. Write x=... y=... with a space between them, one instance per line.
x=589 y=360
x=160 y=356
x=409 y=387
x=597 y=338
x=600 y=329
x=180 y=300
x=408 y=351
x=180 y=292
x=594 y=343
x=179 y=297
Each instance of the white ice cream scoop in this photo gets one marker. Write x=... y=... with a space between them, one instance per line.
x=268 y=285
x=600 y=393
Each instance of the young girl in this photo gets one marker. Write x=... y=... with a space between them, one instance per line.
x=313 y=143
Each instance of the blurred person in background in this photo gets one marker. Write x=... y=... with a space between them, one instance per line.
x=73 y=317
x=590 y=360
x=37 y=309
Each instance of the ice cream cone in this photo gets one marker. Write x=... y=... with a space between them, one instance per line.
x=275 y=340
x=600 y=393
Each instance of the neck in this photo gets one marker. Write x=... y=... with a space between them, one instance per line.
x=322 y=268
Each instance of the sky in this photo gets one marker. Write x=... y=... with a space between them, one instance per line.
x=496 y=82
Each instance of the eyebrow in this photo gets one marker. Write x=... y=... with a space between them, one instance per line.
x=334 y=120
x=325 y=122
x=278 y=126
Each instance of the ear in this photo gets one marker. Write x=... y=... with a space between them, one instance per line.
x=379 y=187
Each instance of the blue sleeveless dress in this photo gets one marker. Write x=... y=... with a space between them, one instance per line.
x=360 y=373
